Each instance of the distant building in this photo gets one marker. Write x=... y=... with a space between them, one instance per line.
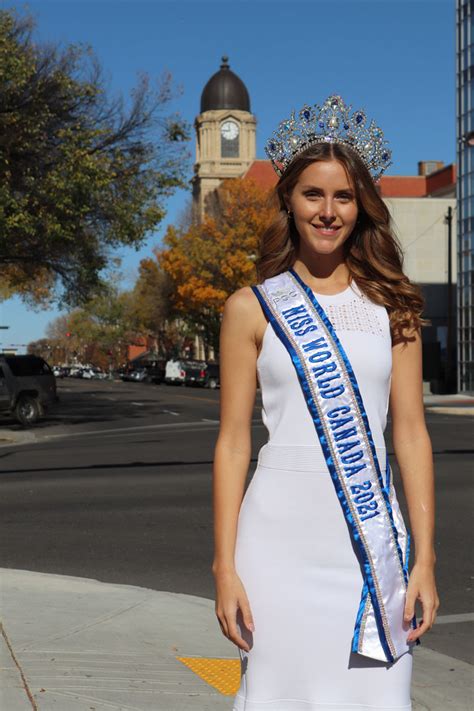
x=225 y=134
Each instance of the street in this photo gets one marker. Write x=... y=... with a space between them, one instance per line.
x=118 y=487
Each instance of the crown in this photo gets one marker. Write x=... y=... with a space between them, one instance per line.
x=332 y=123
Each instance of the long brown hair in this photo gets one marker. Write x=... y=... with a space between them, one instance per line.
x=372 y=252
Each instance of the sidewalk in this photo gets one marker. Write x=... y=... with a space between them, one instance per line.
x=76 y=644
x=457 y=404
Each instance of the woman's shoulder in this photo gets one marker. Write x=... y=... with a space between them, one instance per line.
x=243 y=317
x=243 y=304
x=241 y=297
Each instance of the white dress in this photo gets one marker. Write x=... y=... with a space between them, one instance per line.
x=294 y=553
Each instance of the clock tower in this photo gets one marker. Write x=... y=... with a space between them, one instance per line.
x=225 y=135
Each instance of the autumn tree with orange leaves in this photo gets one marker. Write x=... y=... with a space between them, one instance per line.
x=209 y=261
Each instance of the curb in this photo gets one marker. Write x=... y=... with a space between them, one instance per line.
x=13 y=436
x=450 y=410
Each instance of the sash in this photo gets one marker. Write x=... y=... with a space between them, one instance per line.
x=368 y=502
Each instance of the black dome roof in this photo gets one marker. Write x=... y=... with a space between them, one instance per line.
x=225 y=90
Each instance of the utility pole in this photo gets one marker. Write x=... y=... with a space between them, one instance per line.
x=450 y=329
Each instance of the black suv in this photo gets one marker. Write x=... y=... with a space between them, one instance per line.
x=201 y=373
x=27 y=387
x=211 y=378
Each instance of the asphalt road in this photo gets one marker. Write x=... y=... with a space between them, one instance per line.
x=118 y=487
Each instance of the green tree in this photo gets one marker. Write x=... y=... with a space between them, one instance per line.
x=80 y=175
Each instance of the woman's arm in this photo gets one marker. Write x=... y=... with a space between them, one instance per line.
x=414 y=455
x=238 y=384
x=238 y=364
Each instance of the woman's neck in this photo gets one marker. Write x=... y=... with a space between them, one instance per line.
x=324 y=273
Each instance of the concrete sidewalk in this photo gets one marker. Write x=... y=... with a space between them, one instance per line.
x=457 y=404
x=75 y=644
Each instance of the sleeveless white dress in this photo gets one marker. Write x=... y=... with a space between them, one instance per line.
x=294 y=553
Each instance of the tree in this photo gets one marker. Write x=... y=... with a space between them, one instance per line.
x=209 y=261
x=79 y=175
x=97 y=333
x=152 y=312
x=51 y=351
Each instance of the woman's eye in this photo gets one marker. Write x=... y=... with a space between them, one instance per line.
x=342 y=197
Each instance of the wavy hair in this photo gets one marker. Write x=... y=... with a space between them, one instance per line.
x=372 y=252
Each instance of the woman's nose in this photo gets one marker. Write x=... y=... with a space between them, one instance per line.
x=327 y=210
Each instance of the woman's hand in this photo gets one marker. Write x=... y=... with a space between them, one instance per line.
x=231 y=597
x=421 y=586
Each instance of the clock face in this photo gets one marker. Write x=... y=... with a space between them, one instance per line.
x=229 y=130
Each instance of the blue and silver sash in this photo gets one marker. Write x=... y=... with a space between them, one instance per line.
x=369 y=504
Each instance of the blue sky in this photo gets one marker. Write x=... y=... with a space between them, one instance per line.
x=395 y=58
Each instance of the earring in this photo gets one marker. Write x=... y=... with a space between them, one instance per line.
x=289 y=214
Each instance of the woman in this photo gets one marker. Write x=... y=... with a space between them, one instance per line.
x=311 y=565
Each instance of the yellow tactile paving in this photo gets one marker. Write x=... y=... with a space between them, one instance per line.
x=222 y=674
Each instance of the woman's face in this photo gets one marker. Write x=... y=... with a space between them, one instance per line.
x=324 y=207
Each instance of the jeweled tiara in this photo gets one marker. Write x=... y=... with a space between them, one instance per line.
x=333 y=123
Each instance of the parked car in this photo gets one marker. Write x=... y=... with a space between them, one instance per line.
x=175 y=372
x=119 y=372
x=27 y=387
x=136 y=375
x=93 y=373
x=212 y=376
x=203 y=374
x=147 y=371
x=194 y=371
x=156 y=373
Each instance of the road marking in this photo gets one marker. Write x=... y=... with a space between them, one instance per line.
x=121 y=431
x=206 y=419
x=170 y=412
x=178 y=426
x=138 y=428
x=140 y=404
x=202 y=399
